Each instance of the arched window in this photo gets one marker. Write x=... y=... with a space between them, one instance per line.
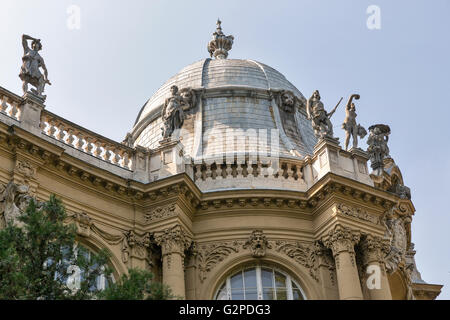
x=260 y=283
x=75 y=275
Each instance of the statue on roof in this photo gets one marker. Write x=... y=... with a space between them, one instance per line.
x=319 y=117
x=172 y=113
x=378 y=148
x=30 y=71
x=352 y=129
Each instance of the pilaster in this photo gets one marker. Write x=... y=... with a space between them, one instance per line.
x=341 y=241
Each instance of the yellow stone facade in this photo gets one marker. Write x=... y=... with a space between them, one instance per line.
x=323 y=221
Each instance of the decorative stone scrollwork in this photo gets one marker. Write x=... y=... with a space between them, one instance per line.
x=257 y=243
x=160 y=213
x=357 y=213
x=311 y=256
x=342 y=239
x=209 y=255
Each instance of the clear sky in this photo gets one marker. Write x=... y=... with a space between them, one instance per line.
x=103 y=72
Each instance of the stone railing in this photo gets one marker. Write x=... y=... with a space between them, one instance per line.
x=279 y=174
x=10 y=104
x=86 y=141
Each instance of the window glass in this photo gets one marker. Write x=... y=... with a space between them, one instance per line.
x=260 y=283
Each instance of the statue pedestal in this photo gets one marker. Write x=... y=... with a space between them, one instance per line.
x=31 y=109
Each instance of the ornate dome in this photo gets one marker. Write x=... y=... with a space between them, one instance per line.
x=217 y=73
x=210 y=98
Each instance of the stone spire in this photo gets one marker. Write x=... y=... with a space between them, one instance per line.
x=220 y=44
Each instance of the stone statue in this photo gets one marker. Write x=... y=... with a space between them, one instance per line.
x=32 y=61
x=188 y=99
x=172 y=113
x=378 y=149
x=287 y=101
x=350 y=126
x=320 y=117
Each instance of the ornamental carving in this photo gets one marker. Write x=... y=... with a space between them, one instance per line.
x=220 y=44
x=209 y=255
x=160 y=213
x=14 y=199
x=311 y=256
x=83 y=223
x=25 y=168
x=173 y=240
x=357 y=213
x=342 y=239
x=374 y=249
x=258 y=243
x=397 y=237
x=135 y=245
x=287 y=101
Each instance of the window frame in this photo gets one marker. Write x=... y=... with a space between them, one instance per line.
x=226 y=285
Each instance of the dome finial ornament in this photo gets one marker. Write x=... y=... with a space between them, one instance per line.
x=220 y=44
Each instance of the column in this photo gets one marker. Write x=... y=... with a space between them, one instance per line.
x=173 y=242
x=374 y=250
x=341 y=241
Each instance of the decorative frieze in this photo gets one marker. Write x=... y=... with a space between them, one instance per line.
x=160 y=213
x=358 y=213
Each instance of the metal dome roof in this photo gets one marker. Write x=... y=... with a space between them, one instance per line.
x=217 y=73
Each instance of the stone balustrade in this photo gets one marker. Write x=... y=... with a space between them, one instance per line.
x=86 y=141
x=275 y=174
x=10 y=104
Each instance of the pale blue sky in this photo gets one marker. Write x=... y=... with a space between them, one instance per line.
x=104 y=72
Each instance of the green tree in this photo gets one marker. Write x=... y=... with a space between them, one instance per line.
x=38 y=260
x=137 y=285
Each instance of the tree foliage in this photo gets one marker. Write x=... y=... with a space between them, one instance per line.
x=39 y=260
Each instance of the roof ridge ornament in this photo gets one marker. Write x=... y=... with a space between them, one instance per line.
x=220 y=44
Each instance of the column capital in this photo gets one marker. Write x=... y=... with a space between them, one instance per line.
x=173 y=240
x=374 y=249
x=341 y=239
